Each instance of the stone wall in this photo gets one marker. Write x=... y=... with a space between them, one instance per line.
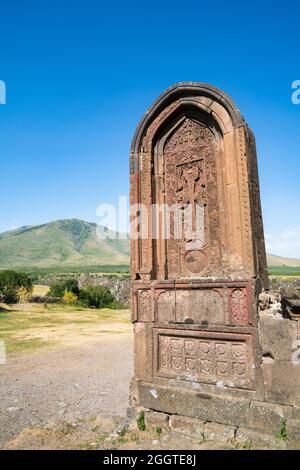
x=280 y=344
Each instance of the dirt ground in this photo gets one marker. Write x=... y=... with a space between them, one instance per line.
x=78 y=371
x=65 y=384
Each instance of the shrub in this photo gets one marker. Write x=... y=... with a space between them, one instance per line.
x=282 y=433
x=71 y=285
x=14 y=279
x=70 y=298
x=9 y=295
x=58 y=289
x=96 y=296
x=13 y=284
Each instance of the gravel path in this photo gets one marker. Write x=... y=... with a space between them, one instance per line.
x=65 y=383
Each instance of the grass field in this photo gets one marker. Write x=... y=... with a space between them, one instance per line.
x=284 y=271
x=99 y=269
x=30 y=326
x=124 y=269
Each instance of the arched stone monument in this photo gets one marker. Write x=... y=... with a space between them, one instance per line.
x=195 y=300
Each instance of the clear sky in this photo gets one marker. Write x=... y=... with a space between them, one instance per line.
x=80 y=74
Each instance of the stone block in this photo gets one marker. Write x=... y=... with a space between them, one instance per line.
x=206 y=102
x=267 y=417
x=218 y=432
x=296 y=412
x=142 y=351
x=221 y=409
x=293 y=434
x=277 y=337
x=248 y=439
x=192 y=427
x=155 y=420
x=282 y=382
x=219 y=111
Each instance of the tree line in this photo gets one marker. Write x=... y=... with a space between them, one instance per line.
x=17 y=287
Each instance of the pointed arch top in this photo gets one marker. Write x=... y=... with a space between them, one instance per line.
x=215 y=102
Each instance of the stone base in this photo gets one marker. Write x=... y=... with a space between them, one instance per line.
x=230 y=436
x=218 y=417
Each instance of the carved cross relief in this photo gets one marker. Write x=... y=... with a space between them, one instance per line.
x=191 y=183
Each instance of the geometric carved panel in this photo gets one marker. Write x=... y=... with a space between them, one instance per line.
x=207 y=357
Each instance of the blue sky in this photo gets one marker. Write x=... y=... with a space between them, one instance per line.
x=80 y=74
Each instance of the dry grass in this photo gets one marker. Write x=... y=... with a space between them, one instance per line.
x=87 y=434
x=31 y=326
x=40 y=290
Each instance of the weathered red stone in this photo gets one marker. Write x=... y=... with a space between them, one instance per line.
x=195 y=302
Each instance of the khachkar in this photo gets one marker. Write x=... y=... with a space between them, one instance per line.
x=195 y=296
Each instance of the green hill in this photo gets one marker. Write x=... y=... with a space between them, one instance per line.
x=69 y=244
x=61 y=244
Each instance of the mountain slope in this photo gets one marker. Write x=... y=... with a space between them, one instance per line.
x=73 y=243
x=63 y=243
x=274 y=260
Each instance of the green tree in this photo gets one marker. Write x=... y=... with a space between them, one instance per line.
x=10 y=284
x=58 y=289
x=96 y=296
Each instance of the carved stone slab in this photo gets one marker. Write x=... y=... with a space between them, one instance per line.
x=215 y=358
x=195 y=293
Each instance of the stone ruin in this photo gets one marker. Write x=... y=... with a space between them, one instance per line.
x=211 y=343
